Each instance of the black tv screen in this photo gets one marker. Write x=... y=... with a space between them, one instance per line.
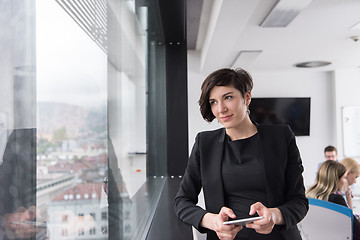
x=292 y=111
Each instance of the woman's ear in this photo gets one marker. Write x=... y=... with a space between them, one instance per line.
x=247 y=98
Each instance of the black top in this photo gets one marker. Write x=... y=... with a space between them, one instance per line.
x=244 y=181
x=243 y=175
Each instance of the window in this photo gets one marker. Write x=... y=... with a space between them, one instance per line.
x=64 y=232
x=64 y=218
x=71 y=113
x=81 y=231
x=74 y=100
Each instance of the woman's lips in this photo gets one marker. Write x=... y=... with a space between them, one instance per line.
x=226 y=118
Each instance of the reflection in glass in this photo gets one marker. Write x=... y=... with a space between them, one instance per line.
x=73 y=119
x=17 y=120
x=126 y=50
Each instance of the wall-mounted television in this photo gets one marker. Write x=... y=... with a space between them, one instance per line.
x=292 y=111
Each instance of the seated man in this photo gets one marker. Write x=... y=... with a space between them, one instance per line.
x=330 y=153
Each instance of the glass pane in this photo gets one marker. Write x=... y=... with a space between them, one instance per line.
x=73 y=118
x=17 y=117
x=71 y=127
x=127 y=51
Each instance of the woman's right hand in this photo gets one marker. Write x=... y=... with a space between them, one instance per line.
x=215 y=222
x=16 y=226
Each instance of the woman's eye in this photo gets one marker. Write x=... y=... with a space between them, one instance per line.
x=228 y=97
x=212 y=102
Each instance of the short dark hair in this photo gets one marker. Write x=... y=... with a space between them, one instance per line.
x=330 y=149
x=238 y=78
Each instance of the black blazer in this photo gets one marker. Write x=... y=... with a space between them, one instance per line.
x=18 y=171
x=283 y=174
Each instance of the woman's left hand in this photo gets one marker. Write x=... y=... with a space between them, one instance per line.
x=271 y=216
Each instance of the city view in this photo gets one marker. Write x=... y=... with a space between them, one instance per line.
x=90 y=121
x=71 y=169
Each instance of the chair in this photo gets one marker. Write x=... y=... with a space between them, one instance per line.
x=326 y=220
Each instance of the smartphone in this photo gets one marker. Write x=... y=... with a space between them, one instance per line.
x=243 y=221
x=35 y=224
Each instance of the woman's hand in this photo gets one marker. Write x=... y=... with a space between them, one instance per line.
x=14 y=224
x=271 y=216
x=215 y=222
x=348 y=195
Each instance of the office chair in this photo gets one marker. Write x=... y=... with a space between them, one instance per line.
x=326 y=220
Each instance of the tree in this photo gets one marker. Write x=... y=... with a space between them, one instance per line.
x=59 y=135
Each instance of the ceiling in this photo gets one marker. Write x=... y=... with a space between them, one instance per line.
x=221 y=30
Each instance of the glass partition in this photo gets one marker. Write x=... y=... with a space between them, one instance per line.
x=78 y=78
x=17 y=118
x=71 y=127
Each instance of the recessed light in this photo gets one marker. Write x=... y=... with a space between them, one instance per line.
x=312 y=64
x=355 y=26
x=245 y=58
x=284 y=12
x=355 y=38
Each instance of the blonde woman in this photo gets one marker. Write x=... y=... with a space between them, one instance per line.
x=329 y=183
x=330 y=179
x=353 y=172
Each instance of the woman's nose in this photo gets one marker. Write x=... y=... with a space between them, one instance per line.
x=222 y=107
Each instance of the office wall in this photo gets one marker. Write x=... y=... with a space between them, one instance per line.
x=347 y=85
x=298 y=83
x=319 y=87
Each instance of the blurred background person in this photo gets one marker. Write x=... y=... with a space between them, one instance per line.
x=353 y=172
x=330 y=153
x=329 y=184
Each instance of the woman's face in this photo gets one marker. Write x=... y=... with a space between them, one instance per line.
x=342 y=182
x=351 y=177
x=228 y=105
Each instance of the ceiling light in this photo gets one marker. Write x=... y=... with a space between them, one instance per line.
x=284 y=12
x=355 y=38
x=312 y=64
x=355 y=26
x=245 y=58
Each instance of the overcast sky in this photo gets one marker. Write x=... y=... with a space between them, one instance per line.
x=71 y=68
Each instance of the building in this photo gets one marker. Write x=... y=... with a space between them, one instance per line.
x=77 y=213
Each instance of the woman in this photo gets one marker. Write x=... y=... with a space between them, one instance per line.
x=330 y=179
x=330 y=182
x=353 y=172
x=244 y=169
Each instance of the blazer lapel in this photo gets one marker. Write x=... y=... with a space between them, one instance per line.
x=214 y=191
x=272 y=174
